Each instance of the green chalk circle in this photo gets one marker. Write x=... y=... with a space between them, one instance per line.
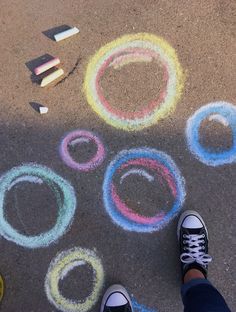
x=65 y=198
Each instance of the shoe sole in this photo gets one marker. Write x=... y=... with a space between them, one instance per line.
x=184 y=215
x=113 y=289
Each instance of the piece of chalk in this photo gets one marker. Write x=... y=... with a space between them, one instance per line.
x=50 y=78
x=43 y=109
x=66 y=34
x=46 y=66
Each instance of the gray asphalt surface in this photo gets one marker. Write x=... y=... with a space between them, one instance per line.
x=203 y=34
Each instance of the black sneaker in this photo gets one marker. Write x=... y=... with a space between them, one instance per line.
x=116 y=299
x=193 y=241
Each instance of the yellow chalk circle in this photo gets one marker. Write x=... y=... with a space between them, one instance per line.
x=2 y=288
x=141 y=47
x=61 y=266
x=50 y=78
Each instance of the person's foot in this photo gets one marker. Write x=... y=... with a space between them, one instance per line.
x=193 y=242
x=116 y=299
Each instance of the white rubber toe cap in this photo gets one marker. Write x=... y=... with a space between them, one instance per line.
x=192 y=222
x=116 y=300
x=190 y=219
x=115 y=296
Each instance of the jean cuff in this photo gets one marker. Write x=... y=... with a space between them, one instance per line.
x=194 y=282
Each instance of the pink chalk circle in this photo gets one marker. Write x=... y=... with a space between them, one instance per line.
x=163 y=171
x=134 y=48
x=78 y=137
x=138 y=160
x=130 y=214
x=117 y=58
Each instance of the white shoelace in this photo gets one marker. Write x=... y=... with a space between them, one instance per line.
x=195 y=252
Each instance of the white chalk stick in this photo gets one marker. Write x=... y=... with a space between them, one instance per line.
x=43 y=110
x=50 y=78
x=46 y=66
x=66 y=34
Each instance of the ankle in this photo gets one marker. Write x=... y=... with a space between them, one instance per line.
x=193 y=274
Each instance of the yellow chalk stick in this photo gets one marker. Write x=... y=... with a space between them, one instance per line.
x=50 y=78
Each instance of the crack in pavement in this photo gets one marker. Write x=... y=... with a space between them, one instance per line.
x=70 y=72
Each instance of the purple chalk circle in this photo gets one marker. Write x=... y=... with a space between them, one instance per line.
x=139 y=161
x=77 y=137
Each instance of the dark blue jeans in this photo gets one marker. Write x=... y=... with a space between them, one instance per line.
x=199 y=295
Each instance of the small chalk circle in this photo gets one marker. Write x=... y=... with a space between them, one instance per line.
x=46 y=66
x=43 y=110
x=50 y=78
x=66 y=34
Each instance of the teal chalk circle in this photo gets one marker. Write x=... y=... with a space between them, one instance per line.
x=65 y=198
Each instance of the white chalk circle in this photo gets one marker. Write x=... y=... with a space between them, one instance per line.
x=61 y=266
x=65 y=197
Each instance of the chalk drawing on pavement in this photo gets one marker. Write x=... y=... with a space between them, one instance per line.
x=63 y=263
x=31 y=179
x=222 y=112
x=140 y=307
x=146 y=158
x=77 y=137
x=139 y=172
x=140 y=47
x=64 y=194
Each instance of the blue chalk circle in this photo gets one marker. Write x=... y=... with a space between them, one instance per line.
x=222 y=112
x=65 y=198
x=127 y=218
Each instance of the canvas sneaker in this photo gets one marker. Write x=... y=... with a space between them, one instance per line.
x=116 y=299
x=193 y=243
